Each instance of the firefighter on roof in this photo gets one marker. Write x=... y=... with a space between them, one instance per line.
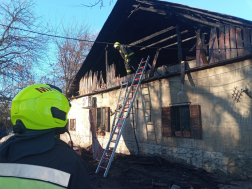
x=34 y=157
x=128 y=56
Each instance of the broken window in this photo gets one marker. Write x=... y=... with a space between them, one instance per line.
x=101 y=118
x=71 y=124
x=181 y=121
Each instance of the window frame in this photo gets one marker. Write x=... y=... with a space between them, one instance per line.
x=168 y=127
x=105 y=118
x=69 y=122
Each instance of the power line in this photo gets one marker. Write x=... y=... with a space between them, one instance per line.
x=108 y=43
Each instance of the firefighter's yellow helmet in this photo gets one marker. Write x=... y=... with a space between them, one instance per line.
x=117 y=44
x=40 y=107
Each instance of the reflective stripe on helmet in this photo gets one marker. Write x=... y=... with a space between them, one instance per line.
x=128 y=71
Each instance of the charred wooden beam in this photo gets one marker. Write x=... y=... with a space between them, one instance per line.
x=106 y=62
x=182 y=75
x=233 y=42
x=163 y=40
x=239 y=42
x=151 y=36
x=222 y=55
x=227 y=41
x=246 y=37
x=150 y=9
x=211 y=15
x=164 y=12
x=184 y=40
x=213 y=46
x=136 y=8
x=180 y=56
x=217 y=16
x=201 y=54
x=207 y=23
x=154 y=62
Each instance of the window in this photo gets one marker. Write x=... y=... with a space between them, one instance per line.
x=71 y=124
x=101 y=118
x=94 y=102
x=181 y=121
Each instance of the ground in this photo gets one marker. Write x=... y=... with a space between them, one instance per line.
x=130 y=172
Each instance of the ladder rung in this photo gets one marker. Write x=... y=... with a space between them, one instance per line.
x=135 y=85
x=116 y=133
x=114 y=141
x=124 y=111
x=127 y=104
x=130 y=97
x=106 y=158
x=132 y=91
x=143 y=61
x=137 y=79
x=110 y=150
x=119 y=125
x=141 y=67
x=103 y=167
x=121 y=118
x=139 y=73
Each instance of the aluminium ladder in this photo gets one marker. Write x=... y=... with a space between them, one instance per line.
x=120 y=119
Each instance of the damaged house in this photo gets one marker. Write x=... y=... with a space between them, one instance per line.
x=194 y=103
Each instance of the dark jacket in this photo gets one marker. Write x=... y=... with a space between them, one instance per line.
x=3 y=133
x=41 y=161
x=125 y=51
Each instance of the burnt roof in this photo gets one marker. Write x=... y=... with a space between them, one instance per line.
x=133 y=20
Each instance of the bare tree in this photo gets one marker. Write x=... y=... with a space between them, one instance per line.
x=71 y=54
x=20 y=49
x=93 y=3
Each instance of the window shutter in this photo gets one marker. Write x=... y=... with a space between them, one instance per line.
x=196 y=129
x=107 y=119
x=166 y=122
x=94 y=114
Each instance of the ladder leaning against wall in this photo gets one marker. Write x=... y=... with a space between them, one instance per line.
x=122 y=112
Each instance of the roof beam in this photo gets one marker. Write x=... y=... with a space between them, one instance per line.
x=201 y=48
x=177 y=42
x=208 y=13
x=222 y=17
x=163 y=40
x=180 y=56
x=151 y=36
x=164 y=12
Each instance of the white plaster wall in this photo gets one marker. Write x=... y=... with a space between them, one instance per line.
x=226 y=144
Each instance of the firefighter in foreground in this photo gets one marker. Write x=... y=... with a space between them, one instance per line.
x=128 y=56
x=33 y=157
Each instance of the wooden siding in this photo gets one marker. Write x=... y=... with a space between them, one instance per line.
x=107 y=119
x=166 y=122
x=231 y=42
x=196 y=130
